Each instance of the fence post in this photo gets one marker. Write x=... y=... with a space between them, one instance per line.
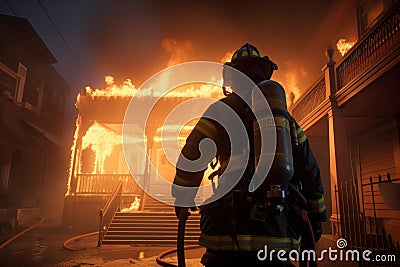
x=337 y=229
x=374 y=208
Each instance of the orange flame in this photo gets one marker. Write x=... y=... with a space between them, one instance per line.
x=101 y=141
x=73 y=148
x=134 y=206
x=227 y=57
x=198 y=90
x=344 y=46
x=291 y=80
x=127 y=89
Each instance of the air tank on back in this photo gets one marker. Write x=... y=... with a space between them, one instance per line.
x=282 y=166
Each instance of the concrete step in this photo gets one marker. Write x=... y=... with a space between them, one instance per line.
x=161 y=207
x=149 y=213
x=148 y=237
x=137 y=233
x=150 y=228
x=153 y=215
x=152 y=225
x=153 y=219
x=154 y=242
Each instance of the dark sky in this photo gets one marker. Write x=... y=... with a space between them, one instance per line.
x=135 y=39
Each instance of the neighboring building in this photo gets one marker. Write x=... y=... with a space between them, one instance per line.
x=351 y=115
x=33 y=162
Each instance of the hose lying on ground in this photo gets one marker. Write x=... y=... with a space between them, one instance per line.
x=166 y=253
x=21 y=233
x=72 y=239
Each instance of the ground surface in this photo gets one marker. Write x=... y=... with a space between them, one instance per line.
x=43 y=246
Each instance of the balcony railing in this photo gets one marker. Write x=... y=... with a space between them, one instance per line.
x=377 y=43
x=310 y=100
x=106 y=183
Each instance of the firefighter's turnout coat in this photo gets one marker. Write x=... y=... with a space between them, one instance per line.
x=226 y=224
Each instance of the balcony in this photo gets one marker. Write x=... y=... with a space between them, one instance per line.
x=372 y=56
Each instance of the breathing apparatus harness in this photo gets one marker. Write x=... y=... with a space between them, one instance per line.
x=259 y=69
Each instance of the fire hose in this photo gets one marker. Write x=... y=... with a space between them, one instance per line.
x=180 y=246
x=307 y=241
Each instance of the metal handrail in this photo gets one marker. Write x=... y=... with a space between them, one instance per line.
x=107 y=213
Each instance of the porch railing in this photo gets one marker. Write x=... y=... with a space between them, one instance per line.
x=377 y=42
x=106 y=183
x=107 y=213
x=360 y=225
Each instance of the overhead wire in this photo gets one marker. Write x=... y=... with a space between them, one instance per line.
x=62 y=38
x=10 y=7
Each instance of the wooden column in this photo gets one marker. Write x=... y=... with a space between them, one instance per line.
x=339 y=157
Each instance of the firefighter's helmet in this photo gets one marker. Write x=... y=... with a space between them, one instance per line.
x=249 y=61
x=248 y=51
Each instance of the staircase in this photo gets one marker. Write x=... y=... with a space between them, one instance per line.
x=156 y=225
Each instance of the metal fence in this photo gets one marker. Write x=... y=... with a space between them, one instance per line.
x=362 y=231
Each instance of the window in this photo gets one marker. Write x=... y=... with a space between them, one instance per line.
x=12 y=84
x=368 y=12
x=8 y=82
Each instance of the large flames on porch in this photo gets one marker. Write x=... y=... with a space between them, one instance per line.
x=97 y=149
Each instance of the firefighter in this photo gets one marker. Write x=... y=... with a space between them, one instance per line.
x=238 y=226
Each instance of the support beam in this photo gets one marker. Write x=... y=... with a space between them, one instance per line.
x=339 y=157
x=339 y=160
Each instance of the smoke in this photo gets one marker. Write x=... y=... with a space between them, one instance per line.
x=179 y=51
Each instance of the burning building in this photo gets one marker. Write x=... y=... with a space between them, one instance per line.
x=98 y=162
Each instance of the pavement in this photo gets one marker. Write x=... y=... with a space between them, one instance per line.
x=43 y=246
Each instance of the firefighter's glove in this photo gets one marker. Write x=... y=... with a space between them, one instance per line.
x=183 y=212
x=317 y=230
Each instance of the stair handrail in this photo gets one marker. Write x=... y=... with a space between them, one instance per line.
x=107 y=213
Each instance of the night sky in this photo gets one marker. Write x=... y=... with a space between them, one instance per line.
x=135 y=39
